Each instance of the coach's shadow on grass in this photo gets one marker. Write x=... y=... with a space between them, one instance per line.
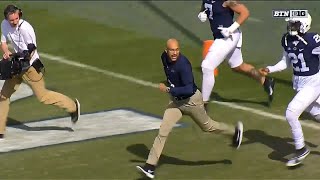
x=19 y=125
x=142 y=151
x=281 y=147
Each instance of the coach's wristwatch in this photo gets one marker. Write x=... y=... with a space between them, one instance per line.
x=168 y=89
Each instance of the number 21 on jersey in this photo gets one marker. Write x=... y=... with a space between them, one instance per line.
x=298 y=62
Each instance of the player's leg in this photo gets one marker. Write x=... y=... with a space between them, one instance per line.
x=171 y=116
x=8 y=88
x=215 y=56
x=37 y=84
x=299 y=103
x=195 y=108
x=314 y=110
x=235 y=61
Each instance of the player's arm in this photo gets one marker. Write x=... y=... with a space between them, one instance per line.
x=239 y=8
x=202 y=14
x=280 y=66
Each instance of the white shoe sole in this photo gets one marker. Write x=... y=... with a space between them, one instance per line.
x=78 y=108
x=145 y=172
x=295 y=162
x=240 y=127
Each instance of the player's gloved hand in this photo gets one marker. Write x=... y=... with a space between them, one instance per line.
x=226 y=32
x=264 y=71
x=203 y=16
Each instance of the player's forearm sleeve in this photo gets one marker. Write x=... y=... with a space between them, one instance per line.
x=281 y=65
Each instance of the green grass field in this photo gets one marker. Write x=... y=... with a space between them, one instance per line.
x=128 y=37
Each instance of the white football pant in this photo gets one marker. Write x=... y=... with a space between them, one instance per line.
x=221 y=49
x=308 y=92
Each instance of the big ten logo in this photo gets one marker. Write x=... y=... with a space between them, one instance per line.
x=293 y=13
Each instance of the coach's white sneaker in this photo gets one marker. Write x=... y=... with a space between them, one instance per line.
x=299 y=156
x=75 y=115
x=237 y=137
x=147 y=170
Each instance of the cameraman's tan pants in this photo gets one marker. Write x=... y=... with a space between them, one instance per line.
x=36 y=82
x=193 y=107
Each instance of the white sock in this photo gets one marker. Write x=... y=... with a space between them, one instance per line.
x=207 y=83
x=296 y=129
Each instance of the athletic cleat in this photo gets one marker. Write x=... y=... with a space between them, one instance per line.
x=299 y=156
x=147 y=170
x=75 y=115
x=268 y=86
x=237 y=137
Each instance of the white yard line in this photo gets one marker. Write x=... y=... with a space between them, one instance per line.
x=95 y=69
x=154 y=85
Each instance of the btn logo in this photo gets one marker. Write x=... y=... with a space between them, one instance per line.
x=293 y=13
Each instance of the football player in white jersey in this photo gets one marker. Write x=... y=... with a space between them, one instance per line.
x=227 y=45
x=301 y=50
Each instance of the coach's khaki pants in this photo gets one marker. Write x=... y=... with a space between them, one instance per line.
x=36 y=82
x=193 y=107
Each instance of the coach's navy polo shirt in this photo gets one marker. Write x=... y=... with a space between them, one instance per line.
x=179 y=76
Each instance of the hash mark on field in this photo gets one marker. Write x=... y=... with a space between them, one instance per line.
x=154 y=85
